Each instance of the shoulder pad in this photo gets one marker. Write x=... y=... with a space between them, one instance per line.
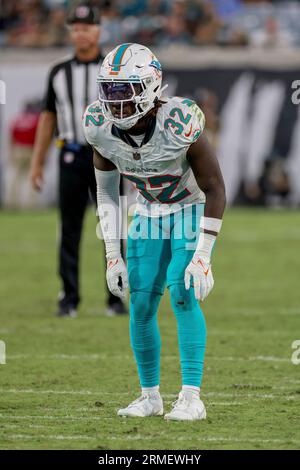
x=92 y=121
x=184 y=120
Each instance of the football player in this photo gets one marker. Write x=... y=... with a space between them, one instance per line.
x=158 y=144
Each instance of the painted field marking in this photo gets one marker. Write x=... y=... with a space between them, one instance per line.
x=100 y=393
x=86 y=357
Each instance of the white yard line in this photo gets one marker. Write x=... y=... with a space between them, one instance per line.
x=138 y=437
x=101 y=393
x=16 y=426
x=54 y=418
x=86 y=357
x=237 y=439
x=250 y=359
x=58 y=437
x=269 y=396
x=222 y=403
x=55 y=392
x=205 y=439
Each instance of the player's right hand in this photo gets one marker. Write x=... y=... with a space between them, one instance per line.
x=37 y=177
x=116 y=276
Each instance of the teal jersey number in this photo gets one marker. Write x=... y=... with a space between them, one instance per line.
x=175 y=124
x=141 y=186
x=97 y=122
x=188 y=102
x=165 y=196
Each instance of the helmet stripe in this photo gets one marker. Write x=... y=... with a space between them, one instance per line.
x=117 y=60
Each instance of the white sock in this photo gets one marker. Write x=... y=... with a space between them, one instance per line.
x=191 y=390
x=150 y=391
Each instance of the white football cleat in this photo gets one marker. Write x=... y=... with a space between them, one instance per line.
x=145 y=405
x=187 y=408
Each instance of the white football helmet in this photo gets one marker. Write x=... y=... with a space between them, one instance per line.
x=129 y=79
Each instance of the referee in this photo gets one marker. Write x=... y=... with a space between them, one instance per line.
x=70 y=89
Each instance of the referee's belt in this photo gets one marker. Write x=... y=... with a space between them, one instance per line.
x=71 y=146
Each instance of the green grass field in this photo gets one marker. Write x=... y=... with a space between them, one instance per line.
x=64 y=379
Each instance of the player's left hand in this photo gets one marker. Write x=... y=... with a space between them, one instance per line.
x=200 y=269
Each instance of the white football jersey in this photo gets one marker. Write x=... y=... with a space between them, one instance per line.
x=158 y=168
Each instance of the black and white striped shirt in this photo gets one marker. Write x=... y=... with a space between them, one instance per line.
x=71 y=87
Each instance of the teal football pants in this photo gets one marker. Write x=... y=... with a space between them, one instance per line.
x=158 y=252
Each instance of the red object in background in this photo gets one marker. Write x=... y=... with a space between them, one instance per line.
x=24 y=127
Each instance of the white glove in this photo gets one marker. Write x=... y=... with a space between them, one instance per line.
x=116 y=276
x=200 y=269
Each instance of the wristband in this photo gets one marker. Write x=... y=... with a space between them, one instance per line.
x=207 y=240
x=211 y=224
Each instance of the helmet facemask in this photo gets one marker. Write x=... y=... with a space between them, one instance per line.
x=124 y=101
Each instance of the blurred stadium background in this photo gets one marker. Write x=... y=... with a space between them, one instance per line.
x=238 y=59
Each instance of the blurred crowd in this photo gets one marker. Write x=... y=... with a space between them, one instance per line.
x=260 y=23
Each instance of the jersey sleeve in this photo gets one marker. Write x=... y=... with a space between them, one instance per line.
x=186 y=122
x=50 y=95
x=92 y=121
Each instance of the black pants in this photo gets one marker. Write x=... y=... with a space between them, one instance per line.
x=77 y=185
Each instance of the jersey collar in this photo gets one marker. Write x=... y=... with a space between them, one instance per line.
x=126 y=137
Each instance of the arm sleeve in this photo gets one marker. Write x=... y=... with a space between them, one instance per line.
x=109 y=211
x=50 y=95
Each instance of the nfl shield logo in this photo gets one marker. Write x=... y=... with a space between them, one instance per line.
x=136 y=156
